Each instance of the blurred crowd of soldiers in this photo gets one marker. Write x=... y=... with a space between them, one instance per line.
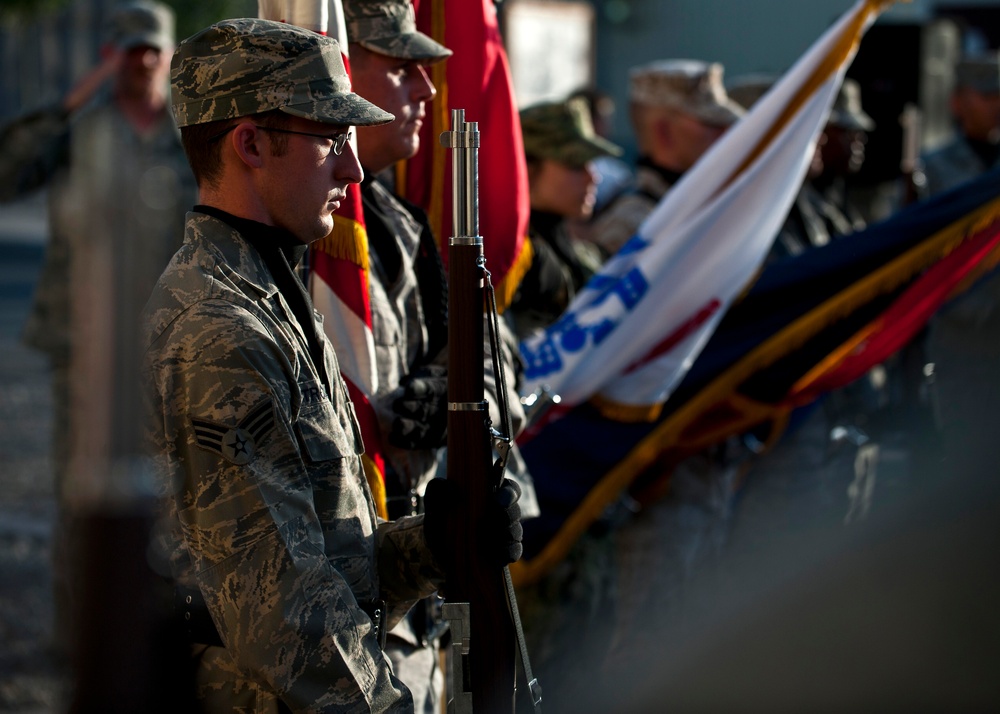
x=119 y=187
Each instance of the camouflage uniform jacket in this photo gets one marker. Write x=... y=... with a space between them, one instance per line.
x=613 y=227
x=952 y=164
x=267 y=508
x=406 y=336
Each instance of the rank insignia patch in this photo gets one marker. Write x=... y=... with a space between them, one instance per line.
x=235 y=443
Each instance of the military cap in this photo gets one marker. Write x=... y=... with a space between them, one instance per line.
x=692 y=86
x=389 y=27
x=563 y=132
x=746 y=89
x=980 y=72
x=141 y=23
x=248 y=66
x=847 y=112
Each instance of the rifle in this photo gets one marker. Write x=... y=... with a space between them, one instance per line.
x=481 y=607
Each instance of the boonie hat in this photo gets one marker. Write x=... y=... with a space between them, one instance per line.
x=140 y=24
x=980 y=72
x=248 y=66
x=847 y=112
x=389 y=27
x=563 y=132
x=692 y=86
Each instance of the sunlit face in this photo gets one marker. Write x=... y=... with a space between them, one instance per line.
x=564 y=190
x=143 y=70
x=977 y=114
x=399 y=86
x=693 y=138
x=302 y=188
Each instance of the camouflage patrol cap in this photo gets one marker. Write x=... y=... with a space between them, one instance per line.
x=692 y=86
x=141 y=23
x=389 y=27
x=847 y=112
x=563 y=132
x=980 y=72
x=248 y=66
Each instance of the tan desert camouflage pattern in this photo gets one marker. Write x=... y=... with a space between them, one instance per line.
x=692 y=86
x=248 y=66
x=389 y=27
x=620 y=220
x=563 y=132
x=267 y=509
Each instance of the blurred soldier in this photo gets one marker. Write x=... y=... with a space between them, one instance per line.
x=119 y=185
x=975 y=105
x=559 y=143
x=821 y=210
x=963 y=338
x=678 y=109
x=408 y=297
x=842 y=150
x=286 y=578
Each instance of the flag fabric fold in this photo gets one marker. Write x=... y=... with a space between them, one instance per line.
x=631 y=334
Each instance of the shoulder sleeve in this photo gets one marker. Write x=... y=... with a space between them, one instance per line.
x=32 y=148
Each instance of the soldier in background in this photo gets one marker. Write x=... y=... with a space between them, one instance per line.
x=963 y=337
x=975 y=106
x=408 y=295
x=559 y=144
x=287 y=579
x=679 y=108
x=118 y=187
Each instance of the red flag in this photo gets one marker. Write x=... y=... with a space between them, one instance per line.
x=338 y=280
x=475 y=78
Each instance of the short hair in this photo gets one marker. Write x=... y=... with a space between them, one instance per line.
x=205 y=155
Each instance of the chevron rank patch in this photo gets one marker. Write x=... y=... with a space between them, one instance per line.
x=236 y=443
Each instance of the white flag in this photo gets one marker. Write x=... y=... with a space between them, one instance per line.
x=633 y=332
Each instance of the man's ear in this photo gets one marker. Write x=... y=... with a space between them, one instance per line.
x=246 y=140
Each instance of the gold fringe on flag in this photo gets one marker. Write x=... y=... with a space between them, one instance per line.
x=347 y=241
x=377 y=486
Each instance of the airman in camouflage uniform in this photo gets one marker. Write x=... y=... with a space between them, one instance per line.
x=268 y=516
x=408 y=297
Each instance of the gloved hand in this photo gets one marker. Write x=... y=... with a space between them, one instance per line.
x=498 y=535
x=421 y=411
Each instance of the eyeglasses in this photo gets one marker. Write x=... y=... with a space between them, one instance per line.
x=339 y=140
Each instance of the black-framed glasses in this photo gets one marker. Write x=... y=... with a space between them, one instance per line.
x=339 y=140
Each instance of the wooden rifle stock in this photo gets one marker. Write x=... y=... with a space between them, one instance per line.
x=487 y=657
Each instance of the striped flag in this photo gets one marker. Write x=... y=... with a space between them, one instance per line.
x=339 y=271
x=811 y=323
x=475 y=78
x=632 y=333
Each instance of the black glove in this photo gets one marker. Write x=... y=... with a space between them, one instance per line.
x=498 y=535
x=421 y=411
